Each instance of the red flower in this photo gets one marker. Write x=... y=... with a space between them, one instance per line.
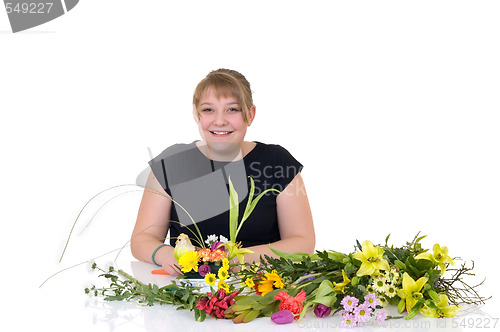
x=294 y=304
x=216 y=305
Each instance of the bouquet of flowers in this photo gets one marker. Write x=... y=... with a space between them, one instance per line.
x=355 y=285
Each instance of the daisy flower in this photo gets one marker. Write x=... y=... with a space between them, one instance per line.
x=349 y=321
x=222 y=285
x=379 y=284
x=390 y=291
x=223 y=274
x=349 y=303
x=362 y=313
x=210 y=279
x=381 y=316
x=225 y=263
x=211 y=239
x=382 y=301
x=370 y=289
x=371 y=300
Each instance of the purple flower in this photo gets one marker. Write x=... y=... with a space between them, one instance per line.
x=216 y=245
x=203 y=270
x=283 y=317
x=308 y=279
x=322 y=310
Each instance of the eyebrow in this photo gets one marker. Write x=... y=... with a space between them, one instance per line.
x=209 y=104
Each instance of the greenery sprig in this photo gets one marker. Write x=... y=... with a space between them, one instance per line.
x=124 y=287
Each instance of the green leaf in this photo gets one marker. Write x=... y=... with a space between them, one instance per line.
x=401 y=306
x=251 y=315
x=294 y=257
x=250 y=195
x=337 y=256
x=414 y=311
x=233 y=212
x=269 y=297
x=434 y=296
x=325 y=288
x=400 y=265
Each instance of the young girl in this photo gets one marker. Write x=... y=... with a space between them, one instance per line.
x=196 y=176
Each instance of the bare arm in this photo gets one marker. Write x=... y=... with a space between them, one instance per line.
x=295 y=223
x=152 y=226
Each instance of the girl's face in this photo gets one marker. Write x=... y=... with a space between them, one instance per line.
x=221 y=120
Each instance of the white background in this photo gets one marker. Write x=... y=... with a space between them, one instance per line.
x=392 y=107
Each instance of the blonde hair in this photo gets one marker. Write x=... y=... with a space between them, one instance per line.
x=226 y=83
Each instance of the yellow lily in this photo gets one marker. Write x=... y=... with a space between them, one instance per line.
x=443 y=309
x=340 y=287
x=440 y=257
x=235 y=250
x=411 y=290
x=371 y=258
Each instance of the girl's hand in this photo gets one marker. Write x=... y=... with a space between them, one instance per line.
x=165 y=256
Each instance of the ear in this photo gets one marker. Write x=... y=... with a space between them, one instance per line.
x=251 y=115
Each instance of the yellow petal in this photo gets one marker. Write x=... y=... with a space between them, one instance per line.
x=425 y=255
x=365 y=269
x=368 y=249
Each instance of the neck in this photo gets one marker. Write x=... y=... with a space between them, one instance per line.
x=220 y=151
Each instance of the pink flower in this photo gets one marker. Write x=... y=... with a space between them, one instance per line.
x=294 y=304
x=349 y=302
x=371 y=300
x=362 y=313
x=349 y=321
x=381 y=316
x=283 y=317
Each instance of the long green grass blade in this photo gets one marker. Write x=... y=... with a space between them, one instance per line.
x=233 y=212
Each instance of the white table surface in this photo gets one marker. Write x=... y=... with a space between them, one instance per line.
x=61 y=305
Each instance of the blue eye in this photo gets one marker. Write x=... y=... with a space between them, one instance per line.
x=233 y=110
x=207 y=110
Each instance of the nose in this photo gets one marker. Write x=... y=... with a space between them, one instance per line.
x=220 y=119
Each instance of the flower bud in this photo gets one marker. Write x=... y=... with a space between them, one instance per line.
x=322 y=310
x=283 y=317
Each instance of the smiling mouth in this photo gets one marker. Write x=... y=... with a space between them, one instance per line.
x=220 y=133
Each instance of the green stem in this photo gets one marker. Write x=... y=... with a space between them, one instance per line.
x=307 y=276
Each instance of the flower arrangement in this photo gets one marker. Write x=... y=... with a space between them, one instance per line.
x=356 y=286
x=198 y=262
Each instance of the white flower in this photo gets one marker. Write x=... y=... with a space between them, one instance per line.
x=382 y=301
x=390 y=291
x=211 y=239
x=223 y=239
x=379 y=284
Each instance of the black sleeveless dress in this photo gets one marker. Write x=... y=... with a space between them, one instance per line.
x=200 y=186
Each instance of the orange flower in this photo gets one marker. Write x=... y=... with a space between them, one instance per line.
x=294 y=304
x=217 y=255
x=204 y=254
